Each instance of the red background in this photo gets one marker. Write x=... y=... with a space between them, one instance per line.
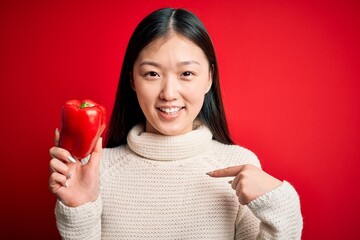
x=290 y=77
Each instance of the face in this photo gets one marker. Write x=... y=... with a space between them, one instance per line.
x=171 y=77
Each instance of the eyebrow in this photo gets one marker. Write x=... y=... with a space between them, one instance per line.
x=179 y=64
x=149 y=63
x=188 y=63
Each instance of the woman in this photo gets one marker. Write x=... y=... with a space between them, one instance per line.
x=169 y=159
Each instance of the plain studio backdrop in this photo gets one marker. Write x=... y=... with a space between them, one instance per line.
x=290 y=81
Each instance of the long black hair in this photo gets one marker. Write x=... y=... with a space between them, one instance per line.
x=127 y=112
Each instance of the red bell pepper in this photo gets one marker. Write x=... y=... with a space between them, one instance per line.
x=82 y=124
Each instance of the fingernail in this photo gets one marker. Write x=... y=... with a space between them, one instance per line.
x=56 y=130
x=69 y=175
x=66 y=184
x=230 y=182
x=71 y=159
x=209 y=173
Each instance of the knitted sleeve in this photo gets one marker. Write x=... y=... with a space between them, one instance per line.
x=274 y=215
x=82 y=222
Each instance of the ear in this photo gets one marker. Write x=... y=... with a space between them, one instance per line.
x=210 y=80
x=209 y=83
x=131 y=78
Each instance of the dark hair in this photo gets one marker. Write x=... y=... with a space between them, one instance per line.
x=127 y=112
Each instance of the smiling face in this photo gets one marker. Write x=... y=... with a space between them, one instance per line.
x=171 y=77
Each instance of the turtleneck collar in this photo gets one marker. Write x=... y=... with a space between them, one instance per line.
x=169 y=148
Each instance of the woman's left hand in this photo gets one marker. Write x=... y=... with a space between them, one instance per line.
x=250 y=182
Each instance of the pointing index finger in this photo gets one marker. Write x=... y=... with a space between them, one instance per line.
x=226 y=172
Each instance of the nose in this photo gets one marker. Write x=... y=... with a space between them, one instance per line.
x=170 y=89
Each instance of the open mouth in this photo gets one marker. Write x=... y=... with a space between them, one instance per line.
x=170 y=111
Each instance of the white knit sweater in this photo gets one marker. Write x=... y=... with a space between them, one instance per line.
x=156 y=187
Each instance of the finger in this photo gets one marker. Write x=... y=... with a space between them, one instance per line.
x=57 y=137
x=96 y=154
x=242 y=200
x=226 y=172
x=235 y=183
x=61 y=154
x=56 y=181
x=58 y=166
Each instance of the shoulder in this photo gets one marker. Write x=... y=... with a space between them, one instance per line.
x=112 y=157
x=232 y=154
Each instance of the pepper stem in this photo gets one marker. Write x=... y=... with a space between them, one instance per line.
x=84 y=105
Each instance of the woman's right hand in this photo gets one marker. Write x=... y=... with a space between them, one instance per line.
x=74 y=184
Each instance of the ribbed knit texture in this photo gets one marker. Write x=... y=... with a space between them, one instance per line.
x=156 y=187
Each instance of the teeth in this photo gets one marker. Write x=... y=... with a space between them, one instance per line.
x=170 y=111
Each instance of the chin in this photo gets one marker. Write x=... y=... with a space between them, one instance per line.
x=170 y=130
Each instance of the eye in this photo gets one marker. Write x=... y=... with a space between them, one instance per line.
x=152 y=74
x=187 y=74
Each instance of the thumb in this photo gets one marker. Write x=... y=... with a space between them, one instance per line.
x=96 y=154
x=57 y=137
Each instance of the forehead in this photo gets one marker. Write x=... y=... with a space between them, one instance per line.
x=173 y=46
